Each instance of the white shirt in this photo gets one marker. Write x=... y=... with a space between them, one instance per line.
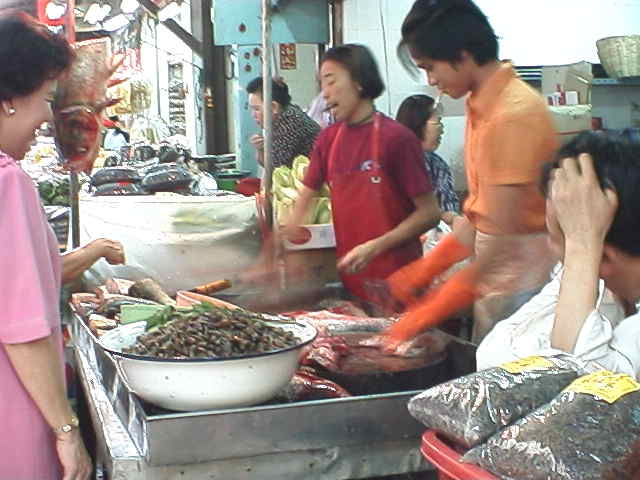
x=606 y=337
x=114 y=140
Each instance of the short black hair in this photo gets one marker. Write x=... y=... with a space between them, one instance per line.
x=362 y=67
x=30 y=53
x=414 y=111
x=443 y=29
x=279 y=90
x=616 y=160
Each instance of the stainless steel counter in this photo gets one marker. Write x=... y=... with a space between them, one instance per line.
x=351 y=438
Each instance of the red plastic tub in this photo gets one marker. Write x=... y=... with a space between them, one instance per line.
x=447 y=460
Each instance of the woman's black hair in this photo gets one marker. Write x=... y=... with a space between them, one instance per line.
x=362 y=67
x=443 y=29
x=616 y=160
x=30 y=54
x=414 y=111
x=279 y=90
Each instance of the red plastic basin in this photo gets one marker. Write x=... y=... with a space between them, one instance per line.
x=447 y=460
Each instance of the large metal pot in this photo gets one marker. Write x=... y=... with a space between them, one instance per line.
x=205 y=383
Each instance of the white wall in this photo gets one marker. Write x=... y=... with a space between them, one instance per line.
x=555 y=31
x=552 y=32
x=376 y=24
x=302 y=81
x=614 y=105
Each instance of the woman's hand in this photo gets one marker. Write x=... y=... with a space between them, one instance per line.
x=75 y=263
x=359 y=257
x=257 y=141
x=111 y=250
x=73 y=456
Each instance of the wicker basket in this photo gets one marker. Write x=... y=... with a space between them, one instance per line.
x=620 y=56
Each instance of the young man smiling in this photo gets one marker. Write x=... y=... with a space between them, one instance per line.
x=509 y=135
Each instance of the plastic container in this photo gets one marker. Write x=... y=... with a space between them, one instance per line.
x=447 y=460
x=227 y=179
x=248 y=186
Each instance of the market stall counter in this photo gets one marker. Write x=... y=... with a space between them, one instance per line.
x=358 y=437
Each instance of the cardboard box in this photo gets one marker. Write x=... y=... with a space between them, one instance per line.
x=570 y=120
x=573 y=77
x=313 y=237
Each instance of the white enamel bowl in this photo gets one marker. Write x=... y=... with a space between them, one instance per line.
x=206 y=383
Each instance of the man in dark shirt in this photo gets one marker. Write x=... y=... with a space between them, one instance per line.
x=294 y=132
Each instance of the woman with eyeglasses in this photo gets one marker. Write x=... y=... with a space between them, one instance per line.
x=419 y=115
x=509 y=135
x=381 y=197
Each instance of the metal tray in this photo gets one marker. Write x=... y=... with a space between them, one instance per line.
x=362 y=423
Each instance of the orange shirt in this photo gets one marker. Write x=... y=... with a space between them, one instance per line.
x=509 y=135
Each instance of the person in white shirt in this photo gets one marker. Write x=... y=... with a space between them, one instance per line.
x=116 y=137
x=588 y=308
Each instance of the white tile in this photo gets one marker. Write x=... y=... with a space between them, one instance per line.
x=369 y=14
x=351 y=35
x=350 y=14
x=397 y=10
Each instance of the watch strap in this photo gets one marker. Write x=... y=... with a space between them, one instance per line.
x=67 y=427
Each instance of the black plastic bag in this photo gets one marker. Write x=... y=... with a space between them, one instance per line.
x=114 y=175
x=167 y=179
x=119 y=188
x=582 y=434
x=470 y=409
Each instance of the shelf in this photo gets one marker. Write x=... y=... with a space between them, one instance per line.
x=632 y=82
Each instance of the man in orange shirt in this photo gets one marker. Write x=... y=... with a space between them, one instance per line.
x=509 y=135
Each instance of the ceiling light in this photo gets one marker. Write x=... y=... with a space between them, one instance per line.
x=93 y=12
x=170 y=11
x=55 y=11
x=97 y=13
x=129 y=6
x=106 y=10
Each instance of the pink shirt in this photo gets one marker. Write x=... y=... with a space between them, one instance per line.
x=30 y=279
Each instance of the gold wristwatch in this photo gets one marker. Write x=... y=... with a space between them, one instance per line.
x=67 y=427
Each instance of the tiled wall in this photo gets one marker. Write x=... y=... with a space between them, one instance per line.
x=615 y=105
x=376 y=24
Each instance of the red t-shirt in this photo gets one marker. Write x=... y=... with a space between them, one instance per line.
x=400 y=155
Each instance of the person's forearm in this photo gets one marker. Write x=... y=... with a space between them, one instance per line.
x=76 y=262
x=578 y=293
x=260 y=157
x=39 y=367
x=464 y=231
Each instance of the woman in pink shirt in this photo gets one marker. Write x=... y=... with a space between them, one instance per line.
x=40 y=437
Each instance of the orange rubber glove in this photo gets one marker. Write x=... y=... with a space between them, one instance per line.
x=406 y=282
x=457 y=293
